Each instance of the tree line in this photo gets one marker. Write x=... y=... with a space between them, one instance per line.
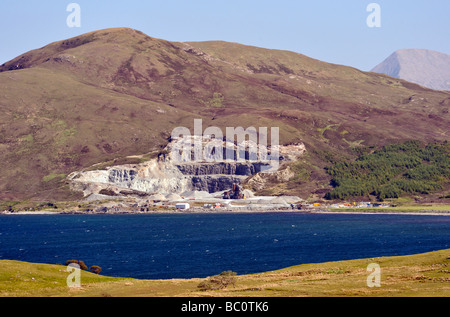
x=393 y=171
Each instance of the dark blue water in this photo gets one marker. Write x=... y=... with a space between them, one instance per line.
x=200 y=245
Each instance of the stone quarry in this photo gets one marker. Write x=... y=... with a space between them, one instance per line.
x=167 y=178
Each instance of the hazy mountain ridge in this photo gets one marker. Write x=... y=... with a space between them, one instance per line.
x=425 y=67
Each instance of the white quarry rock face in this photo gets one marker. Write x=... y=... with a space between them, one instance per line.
x=292 y=152
x=166 y=176
x=183 y=149
x=149 y=177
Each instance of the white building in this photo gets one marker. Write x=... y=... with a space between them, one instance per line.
x=182 y=206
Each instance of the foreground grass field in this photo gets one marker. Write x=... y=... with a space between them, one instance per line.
x=403 y=276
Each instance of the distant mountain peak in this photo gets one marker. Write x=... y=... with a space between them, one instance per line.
x=428 y=68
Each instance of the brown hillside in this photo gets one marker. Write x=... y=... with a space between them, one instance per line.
x=105 y=95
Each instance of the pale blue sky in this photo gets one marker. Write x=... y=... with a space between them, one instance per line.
x=329 y=30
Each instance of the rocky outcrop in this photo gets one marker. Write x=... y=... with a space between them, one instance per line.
x=261 y=181
x=225 y=168
x=149 y=177
x=122 y=175
x=165 y=176
x=215 y=183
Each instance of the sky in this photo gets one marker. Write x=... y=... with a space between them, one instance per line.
x=329 y=30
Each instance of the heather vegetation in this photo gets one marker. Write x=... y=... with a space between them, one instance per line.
x=113 y=96
x=393 y=171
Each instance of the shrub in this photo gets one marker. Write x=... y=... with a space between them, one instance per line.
x=217 y=100
x=107 y=192
x=95 y=269
x=80 y=263
x=217 y=282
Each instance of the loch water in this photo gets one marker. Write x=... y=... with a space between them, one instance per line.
x=165 y=246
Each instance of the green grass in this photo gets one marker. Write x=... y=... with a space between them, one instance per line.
x=409 y=208
x=27 y=279
x=418 y=275
x=332 y=127
x=53 y=176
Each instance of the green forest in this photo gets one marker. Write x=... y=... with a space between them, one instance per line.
x=393 y=171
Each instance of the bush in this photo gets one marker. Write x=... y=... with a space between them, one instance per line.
x=217 y=282
x=107 y=192
x=80 y=263
x=95 y=269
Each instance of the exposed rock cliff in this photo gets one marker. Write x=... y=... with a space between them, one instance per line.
x=227 y=168
x=150 y=177
x=162 y=175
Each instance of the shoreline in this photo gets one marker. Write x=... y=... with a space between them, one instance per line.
x=240 y=211
x=399 y=212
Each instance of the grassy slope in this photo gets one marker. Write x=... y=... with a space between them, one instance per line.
x=414 y=275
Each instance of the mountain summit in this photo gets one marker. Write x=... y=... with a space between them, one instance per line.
x=424 y=67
